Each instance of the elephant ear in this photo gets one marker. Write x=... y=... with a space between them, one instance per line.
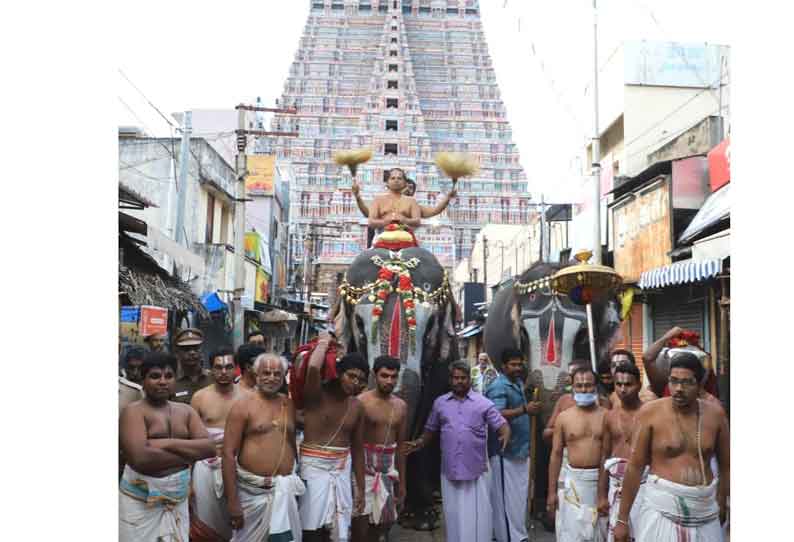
x=447 y=332
x=503 y=326
x=341 y=322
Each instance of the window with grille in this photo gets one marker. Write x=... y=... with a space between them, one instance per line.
x=392 y=103
x=390 y=148
x=392 y=67
x=391 y=84
x=391 y=125
x=394 y=40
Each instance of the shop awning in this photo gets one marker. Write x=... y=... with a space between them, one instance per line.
x=716 y=207
x=683 y=272
x=470 y=331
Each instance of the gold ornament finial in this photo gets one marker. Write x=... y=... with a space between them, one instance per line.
x=584 y=256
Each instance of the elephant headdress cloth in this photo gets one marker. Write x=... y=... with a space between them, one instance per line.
x=297 y=377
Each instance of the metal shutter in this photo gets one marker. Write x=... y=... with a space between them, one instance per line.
x=672 y=309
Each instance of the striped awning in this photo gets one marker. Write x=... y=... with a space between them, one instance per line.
x=683 y=272
x=470 y=331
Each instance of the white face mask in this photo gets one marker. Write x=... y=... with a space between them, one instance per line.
x=585 y=399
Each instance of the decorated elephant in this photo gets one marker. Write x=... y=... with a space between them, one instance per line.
x=399 y=303
x=550 y=329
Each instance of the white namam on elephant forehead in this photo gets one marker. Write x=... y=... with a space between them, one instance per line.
x=410 y=356
x=551 y=351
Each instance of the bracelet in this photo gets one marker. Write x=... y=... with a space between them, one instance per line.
x=621 y=521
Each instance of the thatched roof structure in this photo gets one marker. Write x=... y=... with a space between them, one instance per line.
x=149 y=289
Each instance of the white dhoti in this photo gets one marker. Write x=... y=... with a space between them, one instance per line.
x=467 y=508
x=677 y=513
x=153 y=508
x=328 y=501
x=380 y=483
x=509 y=491
x=209 y=519
x=616 y=470
x=577 y=513
x=270 y=507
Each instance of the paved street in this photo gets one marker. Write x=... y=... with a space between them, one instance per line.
x=407 y=535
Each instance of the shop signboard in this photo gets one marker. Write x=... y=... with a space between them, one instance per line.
x=642 y=233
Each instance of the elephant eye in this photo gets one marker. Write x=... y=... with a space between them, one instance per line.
x=426 y=286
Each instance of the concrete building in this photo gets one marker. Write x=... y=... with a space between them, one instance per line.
x=650 y=94
x=206 y=257
x=408 y=79
x=150 y=168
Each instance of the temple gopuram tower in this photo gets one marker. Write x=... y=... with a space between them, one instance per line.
x=407 y=78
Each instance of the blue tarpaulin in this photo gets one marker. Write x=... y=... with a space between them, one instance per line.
x=130 y=314
x=212 y=302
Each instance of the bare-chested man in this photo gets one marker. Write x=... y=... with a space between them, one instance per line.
x=619 y=357
x=333 y=432
x=410 y=190
x=565 y=401
x=677 y=436
x=619 y=429
x=394 y=206
x=385 y=429
x=246 y=354
x=259 y=459
x=209 y=520
x=658 y=378
x=161 y=439
x=580 y=429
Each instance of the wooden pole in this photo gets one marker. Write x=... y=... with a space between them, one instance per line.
x=533 y=422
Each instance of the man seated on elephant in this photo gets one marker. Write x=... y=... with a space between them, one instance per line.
x=410 y=190
x=395 y=215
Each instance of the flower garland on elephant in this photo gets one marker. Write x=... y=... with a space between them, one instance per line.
x=380 y=290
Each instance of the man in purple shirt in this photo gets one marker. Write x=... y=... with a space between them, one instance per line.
x=463 y=417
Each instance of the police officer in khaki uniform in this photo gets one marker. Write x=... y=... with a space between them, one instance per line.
x=187 y=347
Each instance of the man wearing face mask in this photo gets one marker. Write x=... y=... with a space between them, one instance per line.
x=580 y=429
x=259 y=459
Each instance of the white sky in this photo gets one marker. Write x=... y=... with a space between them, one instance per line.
x=191 y=55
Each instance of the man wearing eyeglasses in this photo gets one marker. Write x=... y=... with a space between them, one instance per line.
x=677 y=436
x=209 y=520
x=333 y=436
x=187 y=348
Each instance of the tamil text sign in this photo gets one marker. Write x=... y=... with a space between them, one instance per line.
x=670 y=64
x=641 y=232
x=260 y=178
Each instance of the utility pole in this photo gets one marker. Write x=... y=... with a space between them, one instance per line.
x=184 y=160
x=544 y=253
x=485 y=266
x=596 y=147
x=238 y=331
